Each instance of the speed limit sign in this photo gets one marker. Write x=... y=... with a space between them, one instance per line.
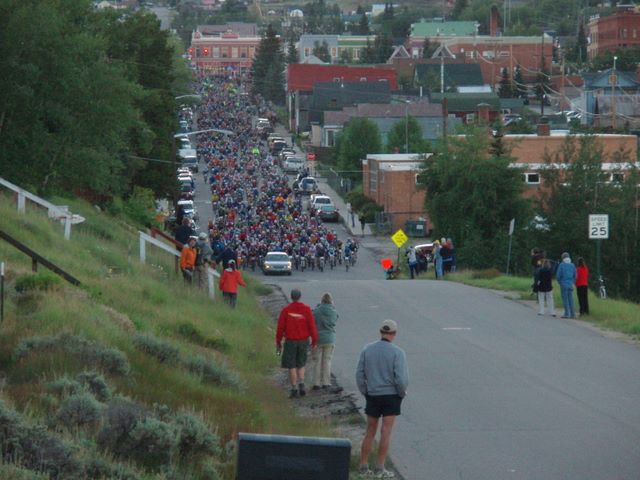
x=598 y=227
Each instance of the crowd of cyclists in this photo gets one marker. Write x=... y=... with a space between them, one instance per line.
x=254 y=209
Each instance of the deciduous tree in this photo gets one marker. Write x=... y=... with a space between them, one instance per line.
x=360 y=137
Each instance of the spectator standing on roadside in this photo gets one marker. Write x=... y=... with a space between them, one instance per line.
x=412 y=260
x=382 y=377
x=351 y=214
x=437 y=258
x=229 y=281
x=203 y=259
x=297 y=327
x=582 y=286
x=544 y=287
x=226 y=256
x=183 y=232
x=566 y=276
x=363 y=222
x=188 y=260
x=326 y=318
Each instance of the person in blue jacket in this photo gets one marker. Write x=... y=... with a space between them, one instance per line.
x=566 y=276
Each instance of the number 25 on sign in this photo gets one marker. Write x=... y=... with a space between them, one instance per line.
x=598 y=227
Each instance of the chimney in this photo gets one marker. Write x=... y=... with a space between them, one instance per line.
x=544 y=129
x=483 y=113
x=494 y=19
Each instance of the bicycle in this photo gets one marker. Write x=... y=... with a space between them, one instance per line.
x=602 y=289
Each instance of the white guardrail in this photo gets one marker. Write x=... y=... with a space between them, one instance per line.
x=56 y=212
x=144 y=238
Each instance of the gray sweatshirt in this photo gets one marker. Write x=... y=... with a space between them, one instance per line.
x=382 y=370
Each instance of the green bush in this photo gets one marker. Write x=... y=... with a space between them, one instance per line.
x=151 y=443
x=79 y=410
x=95 y=383
x=162 y=351
x=195 y=440
x=369 y=210
x=210 y=372
x=13 y=472
x=141 y=207
x=357 y=199
x=44 y=280
x=64 y=386
x=120 y=418
x=89 y=352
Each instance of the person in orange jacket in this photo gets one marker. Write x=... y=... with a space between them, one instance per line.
x=229 y=281
x=188 y=260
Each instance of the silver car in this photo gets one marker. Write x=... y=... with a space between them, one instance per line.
x=276 y=262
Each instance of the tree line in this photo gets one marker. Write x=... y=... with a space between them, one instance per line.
x=86 y=96
x=473 y=192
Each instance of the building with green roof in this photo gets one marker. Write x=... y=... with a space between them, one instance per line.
x=443 y=29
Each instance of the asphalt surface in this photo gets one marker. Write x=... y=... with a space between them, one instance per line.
x=497 y=392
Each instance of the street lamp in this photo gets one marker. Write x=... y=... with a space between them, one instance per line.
x=194 y=95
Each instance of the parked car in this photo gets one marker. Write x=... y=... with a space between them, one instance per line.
x=293 y=164
x=318 y=199
x=277 y=146
x=328 y=212
x=188 y=208
x=307 y=186
x=276 y=262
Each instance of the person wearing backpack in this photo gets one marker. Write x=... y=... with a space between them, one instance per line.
x=203 y=259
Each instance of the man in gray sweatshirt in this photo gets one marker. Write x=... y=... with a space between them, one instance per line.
x=382 y=377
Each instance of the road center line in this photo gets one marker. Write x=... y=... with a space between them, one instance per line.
x=456 y=328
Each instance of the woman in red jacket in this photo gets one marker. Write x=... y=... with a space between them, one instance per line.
x=229 y=281
x=582 y=286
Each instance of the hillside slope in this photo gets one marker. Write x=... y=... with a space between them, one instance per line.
x=132 y=374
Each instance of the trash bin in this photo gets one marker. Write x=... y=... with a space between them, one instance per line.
x=415 y=228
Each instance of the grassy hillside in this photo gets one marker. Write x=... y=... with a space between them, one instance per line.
x=132 y=374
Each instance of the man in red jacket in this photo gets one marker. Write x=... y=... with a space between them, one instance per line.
x=296 y=325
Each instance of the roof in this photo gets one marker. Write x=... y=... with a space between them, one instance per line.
x=455 y=74
x=394 y=157
x=601 y=79
x=302 y=77
x=400 y=167
x=467 y=102
x=337 y=95
x=241 y=28
x=377 y=110
x=434 y=29
x=498 y=41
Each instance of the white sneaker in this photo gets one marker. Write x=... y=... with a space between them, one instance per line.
x=383 y=473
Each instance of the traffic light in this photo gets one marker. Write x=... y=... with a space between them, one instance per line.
x=205 y=52
x=191 y=51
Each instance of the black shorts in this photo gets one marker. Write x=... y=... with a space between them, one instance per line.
x=383 y=405
x=294 y=353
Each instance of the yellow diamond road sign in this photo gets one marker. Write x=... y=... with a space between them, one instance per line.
x=399 y=238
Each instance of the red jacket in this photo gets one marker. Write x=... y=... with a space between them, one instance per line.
x=582 y=277
x=296 y=322
x=230 y=279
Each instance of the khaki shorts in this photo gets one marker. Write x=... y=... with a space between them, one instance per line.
x=294 y=353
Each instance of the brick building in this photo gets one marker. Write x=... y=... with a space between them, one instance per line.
x=392 y=181
x=228 y=47
x=613 y=32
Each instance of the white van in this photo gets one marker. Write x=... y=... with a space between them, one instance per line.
x=293 y=164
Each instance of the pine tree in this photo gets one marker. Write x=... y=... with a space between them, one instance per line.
x=268 y=67
x=506 y=86
x=292 y=53
x=363 y=25
x=581 y=44
x=458 y=8
x=428 y=48
x=518 y=80
x=322 y=51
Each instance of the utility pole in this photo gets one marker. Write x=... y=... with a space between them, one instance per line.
x=542 y=89
x=562 y=95
x=613 y=80
x=442 y=71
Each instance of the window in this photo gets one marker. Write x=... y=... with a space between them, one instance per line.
x=471 y=117
x=617 y=177
x=417 y=178
x=234 y=52
x=216 y=52
x=363 y=79
x=307 y=51
x=531 y=178
x=503 y=53
x=356 y=53
x=331 y=140
x=373 y=180
x=489 y=54
x=471 y=54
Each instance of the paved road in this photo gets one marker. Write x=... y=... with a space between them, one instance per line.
x=496 y=392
